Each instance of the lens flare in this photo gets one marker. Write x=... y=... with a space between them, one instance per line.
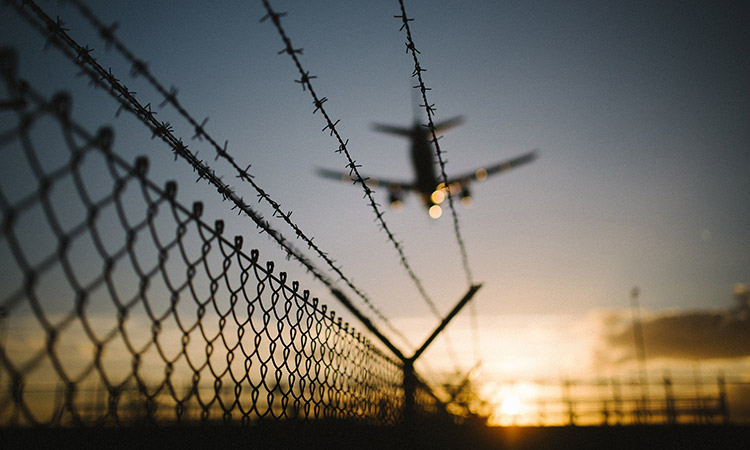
x=437 y=197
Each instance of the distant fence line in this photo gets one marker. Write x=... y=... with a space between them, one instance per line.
x=618 y=401
x=120 y=306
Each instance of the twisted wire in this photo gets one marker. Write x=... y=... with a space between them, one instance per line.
x=353 y=167
x=82 y=56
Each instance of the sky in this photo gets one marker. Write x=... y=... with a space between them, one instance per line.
x=639 y=112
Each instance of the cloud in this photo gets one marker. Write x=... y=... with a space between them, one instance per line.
x=691 y=335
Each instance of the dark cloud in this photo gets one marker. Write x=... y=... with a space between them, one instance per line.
x=686 y=336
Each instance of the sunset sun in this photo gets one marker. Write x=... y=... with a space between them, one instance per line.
x=511 y=405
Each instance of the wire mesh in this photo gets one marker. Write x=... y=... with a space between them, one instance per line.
x=82 y=55
x=118 y=305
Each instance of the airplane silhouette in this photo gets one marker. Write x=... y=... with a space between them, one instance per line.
x=426 y=185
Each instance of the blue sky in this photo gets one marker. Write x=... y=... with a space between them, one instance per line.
x=639 y=109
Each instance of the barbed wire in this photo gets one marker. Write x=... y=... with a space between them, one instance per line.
x=82 y=56
x=430 y=110
x=353 y=167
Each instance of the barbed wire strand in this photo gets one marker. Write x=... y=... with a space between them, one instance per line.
x=353 y=167
x=57 y=35
x=430 y=110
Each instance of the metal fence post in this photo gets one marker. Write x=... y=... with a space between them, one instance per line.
x=410 y=387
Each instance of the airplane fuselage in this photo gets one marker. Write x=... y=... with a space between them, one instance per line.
x=423 y=162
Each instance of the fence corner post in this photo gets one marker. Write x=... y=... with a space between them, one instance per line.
x=408 y=419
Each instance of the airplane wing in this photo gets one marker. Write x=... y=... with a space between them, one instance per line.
x=448 y=124
x=483 y=172
x=408 y=132
x=373 y=182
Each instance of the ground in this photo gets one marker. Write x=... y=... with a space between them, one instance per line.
x=328 y=436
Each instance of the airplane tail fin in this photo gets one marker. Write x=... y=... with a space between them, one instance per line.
x=390 y=129
x=420 y=118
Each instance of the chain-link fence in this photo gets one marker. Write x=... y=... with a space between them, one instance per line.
x=119 y=306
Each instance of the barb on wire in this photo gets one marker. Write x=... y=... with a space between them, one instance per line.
x=343 y=149
x=90 y=67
